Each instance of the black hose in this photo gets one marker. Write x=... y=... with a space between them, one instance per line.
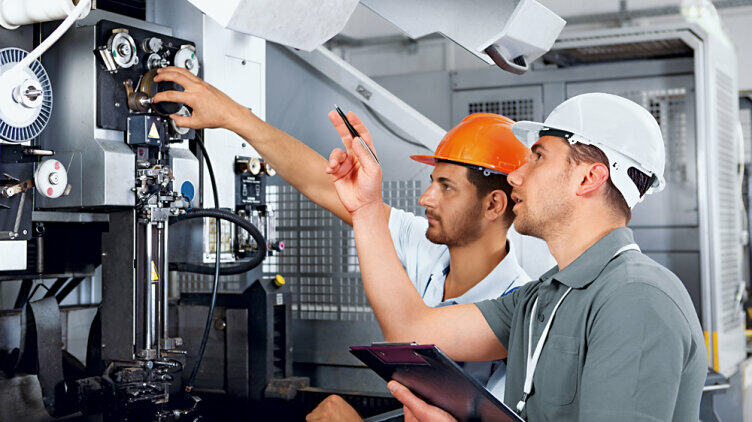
x=240 y=268
x=207 y=328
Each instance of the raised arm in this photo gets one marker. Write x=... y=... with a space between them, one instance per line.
x=296 y=162
x=460 y=330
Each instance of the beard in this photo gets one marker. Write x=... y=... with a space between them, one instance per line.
x=458 y=229
x=547 y=213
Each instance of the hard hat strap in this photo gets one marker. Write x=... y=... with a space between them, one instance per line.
x=555 y=132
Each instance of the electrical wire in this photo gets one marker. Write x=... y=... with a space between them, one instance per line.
x=207 y=328
x=388 y=128
x=240 y=268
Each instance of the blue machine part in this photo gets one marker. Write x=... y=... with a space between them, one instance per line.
x=188 y=190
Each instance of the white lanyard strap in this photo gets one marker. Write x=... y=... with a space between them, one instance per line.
x=532 y=361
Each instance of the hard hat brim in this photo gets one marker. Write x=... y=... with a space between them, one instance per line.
x=431 y=160
x=527 y=132
x=425 y=159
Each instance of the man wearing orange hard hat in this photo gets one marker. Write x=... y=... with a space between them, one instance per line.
x=458 y=254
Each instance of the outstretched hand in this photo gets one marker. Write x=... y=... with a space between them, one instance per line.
x=416 y=409
x=357 y=177
x=212 y=108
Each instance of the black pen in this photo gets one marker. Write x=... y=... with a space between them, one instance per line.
x=355 y=134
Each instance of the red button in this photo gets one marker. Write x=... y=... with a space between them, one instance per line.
x=49 y=191
x=57 y=165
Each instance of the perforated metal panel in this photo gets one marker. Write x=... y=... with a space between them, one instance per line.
x=728 y=191
x=518 y=103
x=320 y=263
x=518 y=109
x=201 y=283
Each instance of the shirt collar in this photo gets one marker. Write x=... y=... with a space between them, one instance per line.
x=586 y=268
x=505 y=276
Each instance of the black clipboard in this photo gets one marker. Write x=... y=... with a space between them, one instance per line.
x=437 y=379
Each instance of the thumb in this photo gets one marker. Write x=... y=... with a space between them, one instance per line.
x=182 y=121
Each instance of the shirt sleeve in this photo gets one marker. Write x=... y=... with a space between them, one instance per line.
x=406 y=230
x=498 y=312
x=636 y=345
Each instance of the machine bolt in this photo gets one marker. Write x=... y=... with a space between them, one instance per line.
x=220 y=324
x=25 y=232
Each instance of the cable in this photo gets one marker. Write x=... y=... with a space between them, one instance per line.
x=244 y=266
x=218 y=215
x=75 y=14
x=207 y=328
x=383 y=124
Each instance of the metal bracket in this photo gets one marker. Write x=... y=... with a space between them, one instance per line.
x=365 y=89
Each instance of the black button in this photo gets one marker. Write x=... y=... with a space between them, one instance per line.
x=541 y=318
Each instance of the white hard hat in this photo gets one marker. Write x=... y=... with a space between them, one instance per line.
x=626 y=132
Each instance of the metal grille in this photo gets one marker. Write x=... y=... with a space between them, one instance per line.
x=727 y=190
x=654 y=49
x=518 y=109
x=670 y=108
x=320 y=262
x=202 y=283
x=745 y=117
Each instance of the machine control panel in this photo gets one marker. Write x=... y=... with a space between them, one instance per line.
x=128 y=60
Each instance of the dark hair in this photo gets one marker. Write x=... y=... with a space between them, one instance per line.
x=485 y=184
x=583 y=153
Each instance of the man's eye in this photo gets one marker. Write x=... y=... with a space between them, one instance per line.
x=446 y=187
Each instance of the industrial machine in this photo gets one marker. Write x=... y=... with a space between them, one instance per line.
x=131 y=284
x=121 y=161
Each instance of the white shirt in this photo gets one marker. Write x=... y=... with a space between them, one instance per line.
x=427 y=265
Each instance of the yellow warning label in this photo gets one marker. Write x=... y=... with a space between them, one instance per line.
x=154 y=274
x=153 y=133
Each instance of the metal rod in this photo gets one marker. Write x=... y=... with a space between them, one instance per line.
x=157 y=285
x=23 y=294
x=165 y=284
x=65 y=291
x=56 y=286
x=149 y=295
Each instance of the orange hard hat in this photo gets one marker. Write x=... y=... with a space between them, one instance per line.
x=481 y=139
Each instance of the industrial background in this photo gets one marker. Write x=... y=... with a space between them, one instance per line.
x=95 y=279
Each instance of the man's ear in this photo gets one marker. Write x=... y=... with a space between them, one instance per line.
x=495 y=204
x=594 y=176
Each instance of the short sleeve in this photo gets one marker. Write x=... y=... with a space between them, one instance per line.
x=403 y=227
x=498 y=312
x=636 y=346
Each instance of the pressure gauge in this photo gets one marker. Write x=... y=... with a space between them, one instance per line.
x=186 y=58
x=122 y=48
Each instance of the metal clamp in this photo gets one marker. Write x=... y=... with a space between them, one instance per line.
x=517 y=65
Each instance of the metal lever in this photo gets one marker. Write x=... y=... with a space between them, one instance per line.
x=517 y=65
x=12 y=190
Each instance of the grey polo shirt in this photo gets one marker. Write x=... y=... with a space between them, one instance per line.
x=625 y=344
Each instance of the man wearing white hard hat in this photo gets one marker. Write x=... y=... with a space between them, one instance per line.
x=607 y=334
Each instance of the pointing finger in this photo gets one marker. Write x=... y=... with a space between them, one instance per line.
x=342 y=130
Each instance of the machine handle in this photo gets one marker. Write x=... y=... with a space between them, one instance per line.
x=517 y=65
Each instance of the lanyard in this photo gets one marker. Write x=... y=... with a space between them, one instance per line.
x=532 y=361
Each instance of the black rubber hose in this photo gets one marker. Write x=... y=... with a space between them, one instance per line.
x=242 y=267
x=215 y=288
